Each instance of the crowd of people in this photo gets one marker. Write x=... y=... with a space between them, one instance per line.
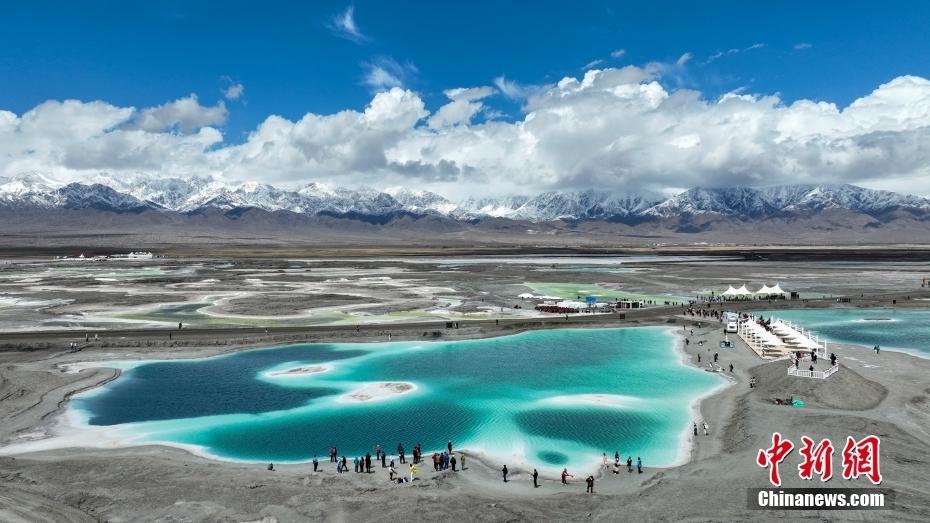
x=446 y=460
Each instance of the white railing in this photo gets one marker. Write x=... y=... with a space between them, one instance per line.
x=818 y=374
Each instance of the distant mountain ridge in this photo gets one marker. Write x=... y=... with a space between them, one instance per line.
x=197 y=195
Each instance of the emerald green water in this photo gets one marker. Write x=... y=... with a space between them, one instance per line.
x=545 y=398
x=907 y=330
x=572 y=291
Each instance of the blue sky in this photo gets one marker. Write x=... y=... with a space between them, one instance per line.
x=483 y=97
x=291 y=61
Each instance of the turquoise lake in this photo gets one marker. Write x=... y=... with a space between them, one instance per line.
x=548 y=398
x=902 y=329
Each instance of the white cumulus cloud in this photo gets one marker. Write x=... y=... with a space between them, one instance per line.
x=184 y=114
x=621 y=128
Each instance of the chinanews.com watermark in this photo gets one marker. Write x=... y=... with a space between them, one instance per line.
x=858 y=459
x=821 y=498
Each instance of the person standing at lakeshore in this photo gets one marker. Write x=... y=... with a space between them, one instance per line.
x=704 y=424
x=604 y=460
x=565 y=476
x=629 y=464
x=639 y=465
x=356 y=461
x=391 y=473
x=383 y=460
x=695 y=428
x=453 y=461
x=535 y=478
x=462 y=459
x=378 y=451
x=400 y=452
x=413 y=472
x=316 y=463
x=368 y=463
x=504 y=472
x=590 y=482
x=449 y=445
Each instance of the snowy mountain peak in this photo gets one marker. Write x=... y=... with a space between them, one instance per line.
x=193 y=194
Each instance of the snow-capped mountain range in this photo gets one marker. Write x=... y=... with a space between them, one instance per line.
x=199 y=194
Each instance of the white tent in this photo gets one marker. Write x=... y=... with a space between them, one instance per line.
x=729 y=292
x=743 y=291
x=770 y=291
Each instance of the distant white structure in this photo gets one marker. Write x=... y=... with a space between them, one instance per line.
x=133 y=256
x=770 y=291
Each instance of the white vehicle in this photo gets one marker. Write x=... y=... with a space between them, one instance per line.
x=731 y=327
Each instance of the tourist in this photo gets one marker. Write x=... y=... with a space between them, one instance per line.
x=699 y=357
x=356 y=461
x=535 y=478
x=565 y=476
x=731 y=368
x=462 y=459
x=504 y=472
x=368 y=462
x=377 y=451
x=616 y=455
x=271 y=466
x=435 y=461
x=391 y=473
x=452 y=461
x=704 y=424
x=345 y=464
x=877 y=349
x=590 y=482
x=639 y=465
x=617 y=467
x=715 y=357
x=316 y=463
x=449 y=445
x=400 y=452
x=383 y=460
x=332 y=454
x=629 y=464
x=695 y=428
x=604 y=460
x=413 y=472
x=811 y=368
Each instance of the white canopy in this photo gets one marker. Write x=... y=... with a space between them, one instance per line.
x=769 y=291
x=743 y=291
x=570 y=304
x=729 y=292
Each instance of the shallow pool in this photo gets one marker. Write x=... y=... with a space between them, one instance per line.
x=548 y=398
